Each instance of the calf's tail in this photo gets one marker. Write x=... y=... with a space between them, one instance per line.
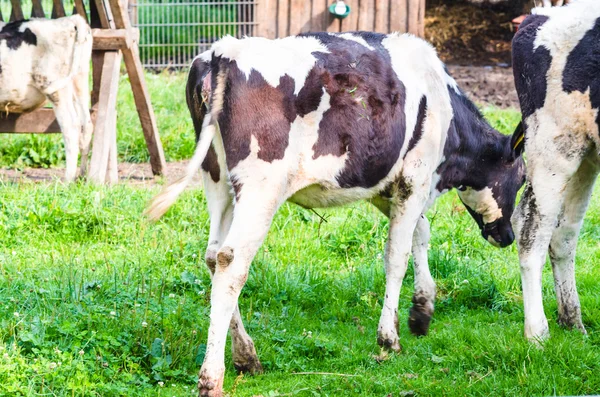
x=205 y=124
x=161 y=203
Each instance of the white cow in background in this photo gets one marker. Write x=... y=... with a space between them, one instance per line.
x=49 y=60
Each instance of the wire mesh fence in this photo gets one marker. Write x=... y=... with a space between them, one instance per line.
x=173 y=32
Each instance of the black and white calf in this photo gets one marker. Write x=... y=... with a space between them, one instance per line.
x=556 y=60
x=324 y=120
x=45 y=59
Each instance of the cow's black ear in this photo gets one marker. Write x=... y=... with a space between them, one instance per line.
x=517 y=142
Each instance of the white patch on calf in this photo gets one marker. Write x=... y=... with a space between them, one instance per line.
x=294 y=57
x=482 y=202
x=352 y=37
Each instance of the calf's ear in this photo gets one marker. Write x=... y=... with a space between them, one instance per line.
x=517 y=142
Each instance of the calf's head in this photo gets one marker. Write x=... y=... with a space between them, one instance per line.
x=489 y=190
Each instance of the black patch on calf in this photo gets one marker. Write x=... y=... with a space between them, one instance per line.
x=193 y=94
x=252 y=107
x=582 y=71
x=366 y=119
x=14 y=38
x=419 y=125
x=530 y=67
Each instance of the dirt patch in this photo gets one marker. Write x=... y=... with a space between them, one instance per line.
x=467 y=34
x=487 y=85
x=130 y=173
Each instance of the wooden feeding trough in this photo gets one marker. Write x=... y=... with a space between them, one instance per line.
x=114 y=40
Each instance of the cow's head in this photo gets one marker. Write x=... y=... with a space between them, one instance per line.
x=490 y=189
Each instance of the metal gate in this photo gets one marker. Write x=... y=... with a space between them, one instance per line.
x=173 y=32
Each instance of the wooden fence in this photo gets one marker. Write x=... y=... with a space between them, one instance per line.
x=280 y=18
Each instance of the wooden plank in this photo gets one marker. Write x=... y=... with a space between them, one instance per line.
x=17 y=12
x=421 y=28
x=266 y=14
x=366 y=17
x=413 y=16
x=299 y=16
x=283 y=18
x=382 y=16
x=102 y=13
x=41 y=121
x=398 y=15
x=106 y=119
x=318 y=19
x=114 y=39
x=350 y=23
x=37 y=11
x=58 y=9
x=80 y=9
x=112 y=173
x=140 y=93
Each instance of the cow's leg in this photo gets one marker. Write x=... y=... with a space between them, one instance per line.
x=66 y=115
x=220 y=207
x=535 y=220
x=563 y=245
x=252 y=216
x=404 y=215
x=82 y=105
x=424 y=297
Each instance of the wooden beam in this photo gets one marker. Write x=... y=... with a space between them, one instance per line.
x=17 y=12
x=41 y=121
x=140 y=92
x=105 y=129
x=114 y=39
x=37 y=11
x=382 y=16
x=104 y=15
x=58 y=10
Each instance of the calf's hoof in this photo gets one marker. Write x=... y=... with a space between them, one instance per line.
x=389 y=342
x=419 y=316
x=537 y=333
x=210 y=386
x=571 y=322
x=248 y=365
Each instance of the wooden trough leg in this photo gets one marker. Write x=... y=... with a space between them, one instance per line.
x=105 y=132
x=140 y=91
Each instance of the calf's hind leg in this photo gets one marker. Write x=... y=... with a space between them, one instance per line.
x=563 y=244
x=421 y=311
x=70 y=125
x=220 y=207
x=252 y=216
x=404 y=215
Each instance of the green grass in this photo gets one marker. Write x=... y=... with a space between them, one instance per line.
x=94 y=301
x=110 y=305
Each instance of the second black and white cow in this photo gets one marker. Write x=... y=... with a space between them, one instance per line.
x=49 y=60
x=556 y=61
x=324 y=120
